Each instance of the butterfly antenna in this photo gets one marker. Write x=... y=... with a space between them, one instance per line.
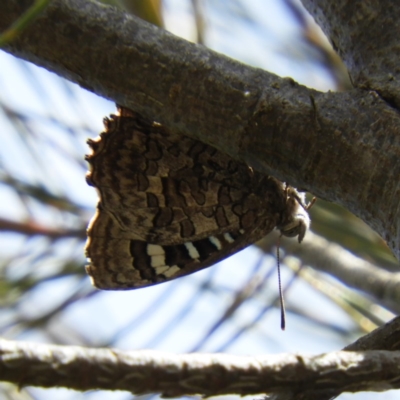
x=281 y=300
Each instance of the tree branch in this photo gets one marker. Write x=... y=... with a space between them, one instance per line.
x=383 y=338
x=344 y=147
x=365 y=36
x=31 y=228
x=143 y=372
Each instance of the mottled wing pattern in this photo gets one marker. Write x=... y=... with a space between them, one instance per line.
x=170 y=205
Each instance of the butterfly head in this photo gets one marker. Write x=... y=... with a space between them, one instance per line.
x=295 y=218
x=295 y=221
x=297 y=227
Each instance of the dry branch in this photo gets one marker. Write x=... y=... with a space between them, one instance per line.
x=364 y=35
x=383 y=338
x=142 y=372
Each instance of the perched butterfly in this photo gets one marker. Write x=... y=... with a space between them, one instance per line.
x=170 y=205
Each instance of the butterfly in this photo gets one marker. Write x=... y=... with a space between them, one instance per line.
x=170 y=205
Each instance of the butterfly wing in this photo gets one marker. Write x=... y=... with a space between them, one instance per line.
x=169 y=205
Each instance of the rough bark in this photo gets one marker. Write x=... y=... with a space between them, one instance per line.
x=365 y=35
x=142 y=372
x=344 y=147
x=384 y=338
x=371 y=363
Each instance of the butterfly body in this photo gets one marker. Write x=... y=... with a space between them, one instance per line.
x=170 y=205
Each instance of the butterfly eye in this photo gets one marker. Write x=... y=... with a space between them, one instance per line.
x=298 y=227
x=291 y=232
x=291 y=228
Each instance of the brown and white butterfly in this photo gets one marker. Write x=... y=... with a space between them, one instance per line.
x=170 y=205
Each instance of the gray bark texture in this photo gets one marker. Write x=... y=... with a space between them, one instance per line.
x=343 y=147
x=145 y=371
x=370 y=364
x=365 y=35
